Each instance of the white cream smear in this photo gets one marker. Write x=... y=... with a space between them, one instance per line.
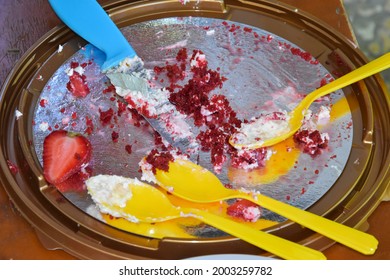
x=111 y=193
x=262 y=128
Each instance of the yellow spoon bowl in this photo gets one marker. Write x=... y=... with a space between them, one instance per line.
x=296 y=116
x=190 y=181
x=145 y=203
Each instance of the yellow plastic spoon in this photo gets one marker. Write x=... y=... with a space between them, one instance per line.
x=140 y=202
x=190 y=181
x=294 y=118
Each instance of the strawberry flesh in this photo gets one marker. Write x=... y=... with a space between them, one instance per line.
x=64 y=154
x=76 y=182
x=77 y=85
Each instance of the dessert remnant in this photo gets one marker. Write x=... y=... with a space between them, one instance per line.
x=262 y=128
x=196 y=91
x=309 y=138
x=323 y=116
x=64 y=154
x=184 y=2
x=12 y=167
x=244 y=209
x=111 y=193
x=76 y=182
x=132 y=82
x=312 y=142
x=249 y=159
x=77 y=84
x=18 y=114
x=43 y=126
x=159 y=160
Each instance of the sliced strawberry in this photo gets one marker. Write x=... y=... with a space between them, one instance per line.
x=77 y=85
x=64 y=153
x=76 y=182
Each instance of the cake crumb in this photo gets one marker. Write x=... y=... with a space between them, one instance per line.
x=18 y=114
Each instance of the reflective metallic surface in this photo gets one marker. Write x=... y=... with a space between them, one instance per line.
x=263 y=76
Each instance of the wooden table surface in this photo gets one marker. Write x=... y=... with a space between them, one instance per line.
x=23 y=22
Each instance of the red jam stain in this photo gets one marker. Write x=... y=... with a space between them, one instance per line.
x=12 y=167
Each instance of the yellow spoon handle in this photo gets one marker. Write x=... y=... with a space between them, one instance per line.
x=353 y=238
x=371 y=68
x=271 y=243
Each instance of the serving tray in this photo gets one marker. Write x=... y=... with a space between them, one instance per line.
x=344 y=183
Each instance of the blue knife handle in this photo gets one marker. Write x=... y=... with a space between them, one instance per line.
x=89 y=20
